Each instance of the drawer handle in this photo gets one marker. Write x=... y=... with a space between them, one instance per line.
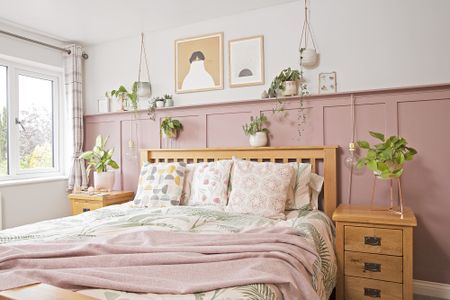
x=372 y=240
x=86 y=209
x=372 y=267
x=372 y=293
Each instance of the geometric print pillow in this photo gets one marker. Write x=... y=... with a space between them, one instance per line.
x=160 y=184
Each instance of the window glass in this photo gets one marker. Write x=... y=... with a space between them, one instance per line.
x=35 y=122
x=3 y=122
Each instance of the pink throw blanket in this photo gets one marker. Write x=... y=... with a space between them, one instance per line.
x=166 y=262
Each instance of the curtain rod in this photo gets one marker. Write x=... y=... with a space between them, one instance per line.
x=84 y=55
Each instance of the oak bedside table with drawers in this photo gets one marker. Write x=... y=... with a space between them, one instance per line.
x=83 y=202
x=374 y=253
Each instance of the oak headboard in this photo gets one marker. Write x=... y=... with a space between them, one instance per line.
x=311 y=154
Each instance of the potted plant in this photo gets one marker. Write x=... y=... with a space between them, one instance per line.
x=159 y=101
x=168 y=100
x=386 y=159
x=123 y=95
x=256 y=131
x=308 y=57
x=286 y=83
x=99 y=159
x=171 y=128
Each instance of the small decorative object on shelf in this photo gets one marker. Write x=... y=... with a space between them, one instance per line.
x=99 y=159
x=168 y=100
x=386 y=161
x=257 y=131
x=159 y=102
x=103 y=105
x=286 y=83
x=264 y=95
x=374 y=251
x=171 y=128
x=123 y=95
x=327 y=83
x=85 y=202
x=308 y=56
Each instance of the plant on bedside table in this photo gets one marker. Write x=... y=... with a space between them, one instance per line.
x=256 y=130
x=171 y=128
x=386 y=160
x=99 y=159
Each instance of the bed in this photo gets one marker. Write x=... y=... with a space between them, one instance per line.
x=314 y=227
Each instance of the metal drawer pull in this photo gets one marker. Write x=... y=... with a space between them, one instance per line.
x=372 y=240
x=372 y=267
x=86 y=209
x=372 y=293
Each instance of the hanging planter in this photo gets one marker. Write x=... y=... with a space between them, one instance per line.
x=308 y=50
x=144 y=88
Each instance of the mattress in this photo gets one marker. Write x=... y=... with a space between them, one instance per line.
x=315 y=226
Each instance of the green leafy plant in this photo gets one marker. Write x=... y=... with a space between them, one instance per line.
x=167 y=96
x=158 y=99
x=99 y=158
x=256 y=125
x=171 y=127
x=125 y=95
x=386 y=159
x=278 y=83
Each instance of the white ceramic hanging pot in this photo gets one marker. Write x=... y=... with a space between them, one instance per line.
x=290 y=88
x=309 y=57
x=259 y=139
x=144 y=89
x=104 y=181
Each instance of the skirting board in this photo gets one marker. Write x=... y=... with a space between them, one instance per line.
x=432 y=289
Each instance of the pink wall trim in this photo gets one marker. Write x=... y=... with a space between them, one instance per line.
x=420 y=114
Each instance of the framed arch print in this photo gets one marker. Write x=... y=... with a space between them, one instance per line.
x=199 y=63
x=246 y=61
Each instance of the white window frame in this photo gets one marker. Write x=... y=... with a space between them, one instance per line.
x=40 y=71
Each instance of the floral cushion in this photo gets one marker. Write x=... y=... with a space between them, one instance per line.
x=160 y=184
x=299 y=195
x=260 y=188
x=210 y=183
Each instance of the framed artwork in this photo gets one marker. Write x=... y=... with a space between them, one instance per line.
x=199 y=63
x=246 y=61
x=103 y=105
x=327 y=83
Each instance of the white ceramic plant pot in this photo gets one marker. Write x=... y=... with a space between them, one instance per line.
x=309 y=57
x=104 y=181
x=168 y=103
x=259 y=139
x=290 y=88
x=159 y=104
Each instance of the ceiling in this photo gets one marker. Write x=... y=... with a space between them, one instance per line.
x=97 y=21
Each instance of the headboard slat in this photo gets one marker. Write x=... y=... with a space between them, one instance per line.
x=326 y=154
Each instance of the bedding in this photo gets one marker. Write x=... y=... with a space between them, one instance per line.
x=299 y=195
x=316 y=229
x=260 y=188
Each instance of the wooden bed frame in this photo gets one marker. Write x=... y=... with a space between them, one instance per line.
x=315 y=155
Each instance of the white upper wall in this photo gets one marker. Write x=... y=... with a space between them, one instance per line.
x=370 y=44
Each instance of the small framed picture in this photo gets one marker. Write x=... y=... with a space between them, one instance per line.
x=199 y=63
x=327 y=83
x=103 y=105
x=246 y=61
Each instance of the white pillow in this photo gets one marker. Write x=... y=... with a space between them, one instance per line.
x=210 y=183
x=260 y=188
x=315 y=184
x=299 y=195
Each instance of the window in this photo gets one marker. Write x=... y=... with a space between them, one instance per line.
x=29 y=121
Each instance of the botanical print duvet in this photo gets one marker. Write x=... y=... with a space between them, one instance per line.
x=112 y=220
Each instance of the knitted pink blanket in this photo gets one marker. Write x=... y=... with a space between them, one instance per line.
x=166 y=262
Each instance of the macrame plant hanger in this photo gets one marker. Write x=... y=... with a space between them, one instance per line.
x=305 y=36
x=144 y=87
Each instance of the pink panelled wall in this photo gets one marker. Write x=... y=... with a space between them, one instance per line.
x=420 y=114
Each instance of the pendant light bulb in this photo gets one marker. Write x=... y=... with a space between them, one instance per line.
x=131 y=152
x=351 y=159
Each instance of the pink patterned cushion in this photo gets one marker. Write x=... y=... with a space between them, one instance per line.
x=260 y=188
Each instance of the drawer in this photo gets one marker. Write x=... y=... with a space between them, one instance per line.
x=373 y=240
x=361 y=288
x=80 y=206
x=374 y=266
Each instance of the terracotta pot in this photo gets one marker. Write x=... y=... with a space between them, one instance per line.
x=104 y=181
x=290 y=88
x=259 y=139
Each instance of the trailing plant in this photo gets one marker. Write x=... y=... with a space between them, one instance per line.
x=171 y=127
x=387 y=158
x=98 y=159
x=278 y=83
x=125 y=95
x=256 y=125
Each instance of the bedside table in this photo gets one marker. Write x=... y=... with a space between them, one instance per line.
x=84 y=202
x=374 y=253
